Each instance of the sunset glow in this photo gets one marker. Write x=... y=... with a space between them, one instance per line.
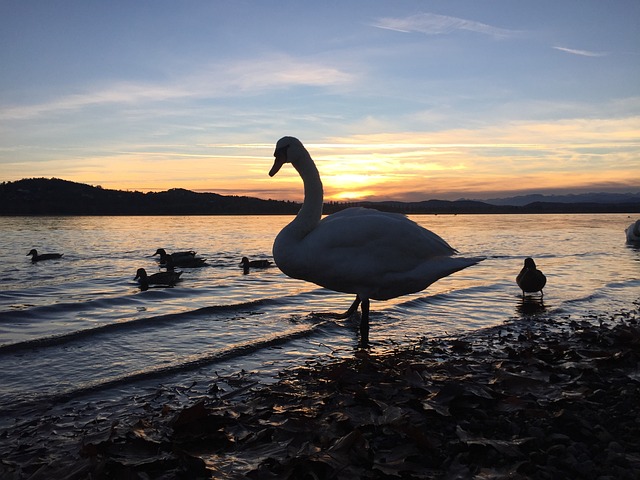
x=204 y=110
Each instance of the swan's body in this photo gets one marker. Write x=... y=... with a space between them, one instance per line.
x=168 y=278
x=45 y=256
x=371 y=254
x=633 y=232
x=530 y=279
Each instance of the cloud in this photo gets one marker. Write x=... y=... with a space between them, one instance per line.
x=433 y=24
x=223 y=80
x=584 y=53
x=283 y=71
x=117 y=93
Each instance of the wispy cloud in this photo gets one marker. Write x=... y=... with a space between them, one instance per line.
x=226 y=80
x=433 y=24
x=584 y=53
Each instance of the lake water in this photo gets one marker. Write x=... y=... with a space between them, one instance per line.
x=81 y=326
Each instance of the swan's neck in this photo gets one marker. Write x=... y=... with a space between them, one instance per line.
x=311 y=211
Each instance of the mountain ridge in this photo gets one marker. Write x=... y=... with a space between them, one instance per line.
x=592 y=197
x=54 y=196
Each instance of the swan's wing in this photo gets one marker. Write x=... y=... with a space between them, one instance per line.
x=372 y=252
x=383 y=232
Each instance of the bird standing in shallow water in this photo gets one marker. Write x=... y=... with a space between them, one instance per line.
x=374 y=255
x=530 y=279
x=45 y=256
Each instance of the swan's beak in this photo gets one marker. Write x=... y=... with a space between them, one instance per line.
x=281 y=159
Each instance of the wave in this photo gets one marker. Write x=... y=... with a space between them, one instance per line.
x=131 y=325
x=234 y=351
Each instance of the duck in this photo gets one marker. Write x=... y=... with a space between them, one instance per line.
x=163 y=254
x=374 y=255
x=45 y=256
x=246 y=263
x=168 y=278
x=182 y=262
x=633 y=232
x=530 y=279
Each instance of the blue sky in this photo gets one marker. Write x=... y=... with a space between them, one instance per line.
x=406 y=100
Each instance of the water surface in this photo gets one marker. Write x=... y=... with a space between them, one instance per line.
x=81 y=324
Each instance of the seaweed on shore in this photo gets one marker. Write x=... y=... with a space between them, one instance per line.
x=534 y=398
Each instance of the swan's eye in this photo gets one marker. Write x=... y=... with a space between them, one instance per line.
x=281 y=152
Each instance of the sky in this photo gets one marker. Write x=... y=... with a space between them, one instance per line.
x=395 y=100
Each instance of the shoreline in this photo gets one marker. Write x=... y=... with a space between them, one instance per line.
x=537 y=397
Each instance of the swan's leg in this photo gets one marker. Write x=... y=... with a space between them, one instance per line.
x=352 y=309
x=364 y=321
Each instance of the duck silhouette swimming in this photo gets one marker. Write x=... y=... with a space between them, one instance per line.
x=45 y=256
x=374 y=255
x=167 y=279
x=246 y=263
x=530 y=279
x=175 y=255
x=183 y=262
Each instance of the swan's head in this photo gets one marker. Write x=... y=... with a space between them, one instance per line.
x=288 y=149
x=529 y=263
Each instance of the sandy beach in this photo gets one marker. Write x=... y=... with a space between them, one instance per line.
x=540 y=398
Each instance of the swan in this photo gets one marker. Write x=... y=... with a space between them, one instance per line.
x=530 y=279
x=372 y=254
x=45 y=256
x=168 y=278
x=633 y=232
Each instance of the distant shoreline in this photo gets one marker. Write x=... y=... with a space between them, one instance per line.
x=451 y=214
x=55 y=197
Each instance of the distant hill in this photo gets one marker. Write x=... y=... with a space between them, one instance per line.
x=42 y=196
x=602 y=197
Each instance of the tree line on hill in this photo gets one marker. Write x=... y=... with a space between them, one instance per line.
x=42 y=196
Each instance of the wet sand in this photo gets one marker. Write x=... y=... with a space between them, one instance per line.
x=541 y=397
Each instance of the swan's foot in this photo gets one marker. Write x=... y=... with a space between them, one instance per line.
x=352 y=309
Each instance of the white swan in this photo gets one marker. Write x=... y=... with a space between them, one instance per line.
x=633 y=232
x=372 y=254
